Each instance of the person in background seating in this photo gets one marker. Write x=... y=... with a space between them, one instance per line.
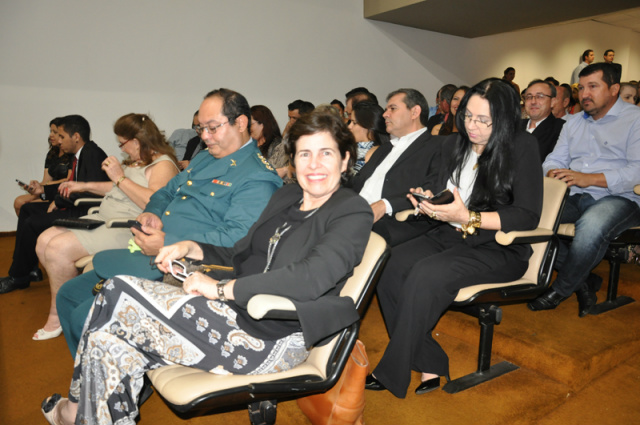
x=149 y=165
x=410 y=159
x=539 y=101
x=74 y=134
x=598 y=156
x=368 y=127
x=57 y=167
x=493 y=170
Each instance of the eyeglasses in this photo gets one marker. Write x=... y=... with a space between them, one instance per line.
x=539 y=96
x=121 y=144
x=210 y=129
x=180 y=271
x=469 y=119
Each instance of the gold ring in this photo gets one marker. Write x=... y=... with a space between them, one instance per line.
x=106 y=163
x=434 y=215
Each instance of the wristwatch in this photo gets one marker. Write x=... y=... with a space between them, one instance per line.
x=220 y=285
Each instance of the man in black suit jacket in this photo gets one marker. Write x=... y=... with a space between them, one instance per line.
x=539 y=100
x=410 y=160
x=36 y=217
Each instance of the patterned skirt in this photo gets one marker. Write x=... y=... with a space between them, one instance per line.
x=136 y=325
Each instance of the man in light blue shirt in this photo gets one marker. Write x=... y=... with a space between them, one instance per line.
x=598 y=156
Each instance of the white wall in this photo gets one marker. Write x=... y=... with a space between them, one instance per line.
x=105 y=59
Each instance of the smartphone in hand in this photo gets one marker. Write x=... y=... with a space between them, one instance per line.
x=22 y=185
x=441 y=198
x=129 y=224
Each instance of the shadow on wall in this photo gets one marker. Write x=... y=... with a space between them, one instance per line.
x=440 y=54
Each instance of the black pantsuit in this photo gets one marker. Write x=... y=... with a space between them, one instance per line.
x=424 y=274
x=419 y=283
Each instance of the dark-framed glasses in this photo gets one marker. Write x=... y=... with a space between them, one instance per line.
x=121 y=144
x=479 y=122
x=538 y=96
x=211 y=129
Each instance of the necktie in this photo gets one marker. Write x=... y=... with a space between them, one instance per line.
x=73 y=169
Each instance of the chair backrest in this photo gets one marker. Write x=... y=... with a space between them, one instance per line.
x=553 y=200
x=360 y=287
x=539 y=271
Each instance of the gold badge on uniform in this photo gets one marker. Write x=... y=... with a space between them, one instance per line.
x=233 y=162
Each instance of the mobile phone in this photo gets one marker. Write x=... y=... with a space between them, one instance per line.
x=129 y=224
x=441 y=198
x=22 y=184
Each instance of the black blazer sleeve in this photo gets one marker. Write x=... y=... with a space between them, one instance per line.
x=89 y=170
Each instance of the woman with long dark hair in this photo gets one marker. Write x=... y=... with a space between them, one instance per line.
x=494 y=173
x=449 y=125
x=368 y=127
x=57 y=167
x=265 y=131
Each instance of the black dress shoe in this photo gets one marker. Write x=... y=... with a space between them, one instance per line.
x=8 y=284
x=547 y=301
x=36 y=275
x=371 y=383
x=428 y=385
x=587 y=298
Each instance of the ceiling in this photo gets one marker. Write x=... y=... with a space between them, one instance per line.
x=473 y=18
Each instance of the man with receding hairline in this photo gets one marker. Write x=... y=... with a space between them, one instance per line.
x=410 y=160
x=539 y=100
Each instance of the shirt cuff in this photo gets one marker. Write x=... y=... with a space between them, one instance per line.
x=388 y=205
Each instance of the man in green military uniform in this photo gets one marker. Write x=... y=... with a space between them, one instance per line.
x=215 y=200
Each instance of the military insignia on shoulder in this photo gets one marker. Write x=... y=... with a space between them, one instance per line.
x=220 y=182
x=233 y=163
x=265 y=161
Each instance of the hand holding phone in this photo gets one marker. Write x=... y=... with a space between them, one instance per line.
x=129 y=224
x=441 y=198
x=23 y=185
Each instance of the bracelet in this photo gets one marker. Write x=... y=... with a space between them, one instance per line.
x=220 y=286
x=475 y=221
x=120 y=180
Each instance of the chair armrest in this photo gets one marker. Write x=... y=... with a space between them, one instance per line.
x=404 y=214
x=87 y=202
x=525 y=236
x=264 y=306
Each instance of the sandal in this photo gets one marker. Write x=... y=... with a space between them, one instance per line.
x=633 y=256
x=51 y=408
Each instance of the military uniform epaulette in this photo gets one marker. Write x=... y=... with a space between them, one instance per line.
x=265 y=161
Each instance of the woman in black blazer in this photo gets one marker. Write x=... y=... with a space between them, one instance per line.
x=304 y=246
x=494 y=173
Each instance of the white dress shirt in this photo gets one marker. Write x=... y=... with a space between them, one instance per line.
x=372 y=189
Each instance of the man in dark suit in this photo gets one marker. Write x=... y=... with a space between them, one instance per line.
x=539 y=101
x=409 y=160
x=36 y=217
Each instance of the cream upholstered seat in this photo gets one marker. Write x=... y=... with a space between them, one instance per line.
x=617 y=253
x=193 y=392
x=483 y=301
